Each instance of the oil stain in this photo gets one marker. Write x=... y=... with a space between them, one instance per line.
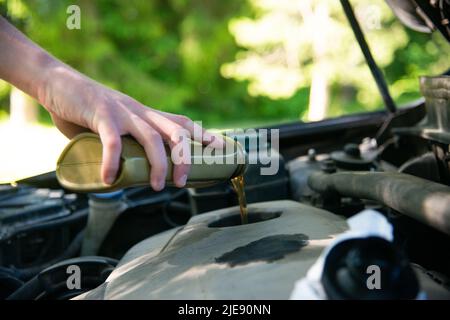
x=266 y=249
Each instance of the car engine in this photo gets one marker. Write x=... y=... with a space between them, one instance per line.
x=189 y=243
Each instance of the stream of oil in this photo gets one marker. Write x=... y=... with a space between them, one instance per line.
x=238 y=185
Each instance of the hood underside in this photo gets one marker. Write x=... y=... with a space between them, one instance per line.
x=423 y=16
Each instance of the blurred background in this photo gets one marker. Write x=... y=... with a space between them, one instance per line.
x=234 y=63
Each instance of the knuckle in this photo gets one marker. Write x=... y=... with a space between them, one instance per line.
x=134 y=118
x=179 y=134
x=102 y=108
x=184 y=120
x=113 y=142
x=153 y=136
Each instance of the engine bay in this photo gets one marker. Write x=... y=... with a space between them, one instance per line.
x=137 y=243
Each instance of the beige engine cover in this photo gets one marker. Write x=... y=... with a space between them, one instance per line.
x=260 y=260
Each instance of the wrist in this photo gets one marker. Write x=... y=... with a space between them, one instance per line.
x=56 y=81
x=66 y=93
x=46 y=70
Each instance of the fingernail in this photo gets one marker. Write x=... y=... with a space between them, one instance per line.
x=182 y=181
x=109 y=180
x=158 y=186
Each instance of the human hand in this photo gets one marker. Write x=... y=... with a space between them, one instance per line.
x=77 y=103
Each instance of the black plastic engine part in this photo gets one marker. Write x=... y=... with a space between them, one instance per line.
x=37 y=226
x=52 y=283
x=351 y=159
x=424 y=166
x=435 y=126
x=350 y=263
x=147 y=214
x=9 y=282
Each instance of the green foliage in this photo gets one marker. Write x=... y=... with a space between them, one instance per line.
x=289 y=43
x=171 y=54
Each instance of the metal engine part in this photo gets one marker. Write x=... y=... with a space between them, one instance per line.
x=436 y=125
x=215 y=257
x=423 y=200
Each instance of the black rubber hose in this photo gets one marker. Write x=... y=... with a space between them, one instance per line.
x=71 y=251
x=28 y=291
x=9 y=282
x=423 y=200
x=51 y=282
x=72 y=218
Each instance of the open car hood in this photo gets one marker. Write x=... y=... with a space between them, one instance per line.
x=423 y=15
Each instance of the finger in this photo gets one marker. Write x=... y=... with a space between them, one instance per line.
x=197 y=132
x=153 y=145
x=112 y=147
x=181 y=156
x=179 y=142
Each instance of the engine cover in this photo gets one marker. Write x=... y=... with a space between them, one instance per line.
x=214 y=257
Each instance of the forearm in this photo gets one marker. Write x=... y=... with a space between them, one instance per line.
x=78 y=103
x=23 y=63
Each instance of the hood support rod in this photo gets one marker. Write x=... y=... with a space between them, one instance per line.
x=374 y=69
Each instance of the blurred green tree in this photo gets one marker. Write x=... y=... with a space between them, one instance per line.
x=174 y=54
x=291 y=44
